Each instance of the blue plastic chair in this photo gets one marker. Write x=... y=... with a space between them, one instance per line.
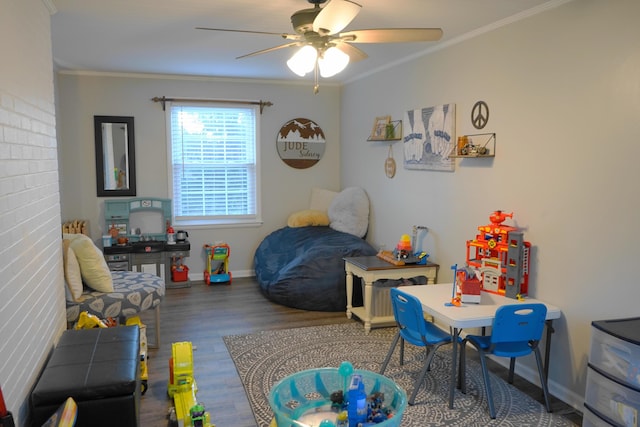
x=516 y=332
x=413 y=328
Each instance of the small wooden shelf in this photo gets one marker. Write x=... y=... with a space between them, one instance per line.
x=397 y=133
x=383 y=139
x=467 y=147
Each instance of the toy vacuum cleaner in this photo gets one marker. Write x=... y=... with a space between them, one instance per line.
x=217 y=263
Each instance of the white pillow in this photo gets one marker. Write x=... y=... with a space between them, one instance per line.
x=321 y=199
x=349 y=211
x=93 y=267
x=72 y=275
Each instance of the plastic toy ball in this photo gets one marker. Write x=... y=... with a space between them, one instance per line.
x=345 y=370
x=327 y=423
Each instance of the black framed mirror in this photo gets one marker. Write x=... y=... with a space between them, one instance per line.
x=115 y=156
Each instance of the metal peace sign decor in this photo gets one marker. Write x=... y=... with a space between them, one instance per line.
x=480 y=114
x=300 y=143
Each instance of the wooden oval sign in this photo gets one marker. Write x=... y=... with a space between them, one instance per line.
x=390 y=167
x=390 y=164
x=300 y=143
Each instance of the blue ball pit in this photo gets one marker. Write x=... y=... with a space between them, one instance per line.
x=303 y=398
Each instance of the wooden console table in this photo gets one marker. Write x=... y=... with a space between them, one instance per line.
x=370 y=269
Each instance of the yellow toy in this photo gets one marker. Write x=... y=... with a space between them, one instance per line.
x=89 y=321
x=144 y=371
x=182 y=388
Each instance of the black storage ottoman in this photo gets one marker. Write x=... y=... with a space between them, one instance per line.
x=99 y=369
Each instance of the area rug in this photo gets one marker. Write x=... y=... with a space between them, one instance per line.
x=264 y=358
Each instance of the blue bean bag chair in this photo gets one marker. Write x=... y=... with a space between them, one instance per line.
x=303 y=267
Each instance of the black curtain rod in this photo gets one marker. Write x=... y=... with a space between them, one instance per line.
x=164 y=100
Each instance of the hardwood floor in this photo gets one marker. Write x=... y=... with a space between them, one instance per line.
x=203 y=315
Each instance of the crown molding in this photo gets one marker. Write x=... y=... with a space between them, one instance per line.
x=552 y=4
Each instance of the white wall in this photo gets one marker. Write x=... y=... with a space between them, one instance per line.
x=284 y=189
x=31 y=288
x=563 y=89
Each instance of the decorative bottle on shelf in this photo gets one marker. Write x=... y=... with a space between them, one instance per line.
x=171 y=234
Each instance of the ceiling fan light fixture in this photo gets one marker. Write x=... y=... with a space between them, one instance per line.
x=303 y=61
x=332 y=62
x=335 y=16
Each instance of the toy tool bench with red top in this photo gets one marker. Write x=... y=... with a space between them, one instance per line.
x=217 y=263
x=501 y=255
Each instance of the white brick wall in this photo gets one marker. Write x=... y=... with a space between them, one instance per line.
x=32 y=312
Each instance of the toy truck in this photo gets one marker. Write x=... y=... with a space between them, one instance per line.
x=182 y=388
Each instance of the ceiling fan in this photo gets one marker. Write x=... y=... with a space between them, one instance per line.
x=324 y=48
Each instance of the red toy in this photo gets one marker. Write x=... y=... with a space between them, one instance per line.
x=403 y=247
x=179 y=271
x=6 y=418
x=501 y=255
x=470 y=287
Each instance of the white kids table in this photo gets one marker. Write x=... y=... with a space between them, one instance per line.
x=434 y=297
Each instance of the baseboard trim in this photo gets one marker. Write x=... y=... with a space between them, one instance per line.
x=531 y=374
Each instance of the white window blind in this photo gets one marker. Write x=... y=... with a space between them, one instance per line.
x=213 y=159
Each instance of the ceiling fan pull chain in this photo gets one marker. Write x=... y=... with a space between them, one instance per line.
x=316 y=85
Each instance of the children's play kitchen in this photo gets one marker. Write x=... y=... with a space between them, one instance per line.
x=141 y=238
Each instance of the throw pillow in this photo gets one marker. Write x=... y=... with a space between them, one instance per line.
x=349 y=211
x=93 y=267
x=321 y=199
x=71 y=236
x=307 y=218
x=72 y=275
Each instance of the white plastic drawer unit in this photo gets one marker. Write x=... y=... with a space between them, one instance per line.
x=612 y=399
x=615 y=349
x=589 y=419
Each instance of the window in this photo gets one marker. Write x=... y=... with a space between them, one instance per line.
x=213 y=153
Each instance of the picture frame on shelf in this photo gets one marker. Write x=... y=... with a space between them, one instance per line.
x=380 y=127
x=394 y=130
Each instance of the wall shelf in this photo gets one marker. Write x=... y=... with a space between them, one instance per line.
x=395 y=135
x=475 y=146
x=383 y=139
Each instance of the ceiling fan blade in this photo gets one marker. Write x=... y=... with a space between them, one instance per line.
x=354 y=53
x=271 y=49
x=335 y=16
x=393 y=35
x=283 y=35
